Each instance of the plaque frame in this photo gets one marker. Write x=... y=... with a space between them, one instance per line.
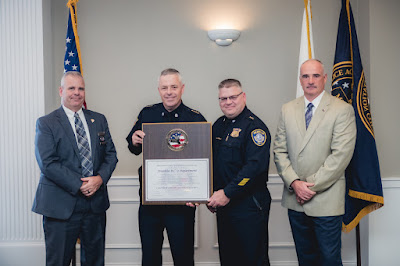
x=191 y=159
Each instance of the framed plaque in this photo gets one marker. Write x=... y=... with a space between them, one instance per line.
x=177 y=163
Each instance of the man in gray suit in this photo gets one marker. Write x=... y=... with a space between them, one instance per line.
x=76 y=157
x=313 y=145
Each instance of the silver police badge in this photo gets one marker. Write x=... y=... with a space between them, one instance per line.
x=177 y=139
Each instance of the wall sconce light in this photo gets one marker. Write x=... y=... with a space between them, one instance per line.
x=224 y=37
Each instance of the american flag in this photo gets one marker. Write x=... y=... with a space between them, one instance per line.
x=176 y=139
x=72 y=59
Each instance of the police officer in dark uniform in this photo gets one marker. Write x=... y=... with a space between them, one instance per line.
x=178 y=220
x=241 y=200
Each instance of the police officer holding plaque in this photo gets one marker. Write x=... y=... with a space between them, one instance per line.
x=241 y=199
x=178 y=220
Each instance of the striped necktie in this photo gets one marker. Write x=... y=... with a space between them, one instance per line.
x=84 y=148
x=309 y=114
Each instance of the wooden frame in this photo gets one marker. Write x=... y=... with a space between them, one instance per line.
x=177 y=163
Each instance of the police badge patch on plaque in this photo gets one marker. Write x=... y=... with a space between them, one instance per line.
x=177 y=139
x=259 y=137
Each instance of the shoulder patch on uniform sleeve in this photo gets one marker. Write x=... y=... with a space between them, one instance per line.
x=259 y=137
x=195 y=111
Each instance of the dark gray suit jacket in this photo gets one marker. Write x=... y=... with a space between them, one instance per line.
x=59 y=161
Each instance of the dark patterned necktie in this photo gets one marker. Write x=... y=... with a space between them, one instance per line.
x=309 y=114
x=84 y=148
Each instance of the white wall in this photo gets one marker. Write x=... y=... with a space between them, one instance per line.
x=385 y=88
x=383 y=228
x=123 y=242
x=22 y=101
x=125 y=44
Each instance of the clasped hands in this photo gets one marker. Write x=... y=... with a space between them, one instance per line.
x=303 y=191
x=90 y=185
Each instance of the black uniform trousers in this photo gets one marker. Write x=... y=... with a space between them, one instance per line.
x=179 y=223
x=243 y=230
x=153 y=219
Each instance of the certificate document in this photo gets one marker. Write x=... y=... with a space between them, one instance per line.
x=177 y=180
x=177 y=163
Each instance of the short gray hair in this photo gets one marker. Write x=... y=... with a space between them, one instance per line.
x=172 y=71
x=70 y=73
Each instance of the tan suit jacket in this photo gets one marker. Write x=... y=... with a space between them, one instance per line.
x=317 y=155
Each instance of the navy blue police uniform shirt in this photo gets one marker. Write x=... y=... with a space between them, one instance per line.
x=240 y=154
x=158 y=114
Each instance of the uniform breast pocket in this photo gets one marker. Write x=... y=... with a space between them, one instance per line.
x=230 y=151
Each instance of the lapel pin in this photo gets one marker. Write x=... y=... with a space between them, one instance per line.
x=92 y=120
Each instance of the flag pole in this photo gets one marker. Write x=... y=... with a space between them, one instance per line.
x=358 y=245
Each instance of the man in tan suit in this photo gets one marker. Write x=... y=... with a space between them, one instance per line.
x=313 y=145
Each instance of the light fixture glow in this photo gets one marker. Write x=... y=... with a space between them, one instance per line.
x=223 y=37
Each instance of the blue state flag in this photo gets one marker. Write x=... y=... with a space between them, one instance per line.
x=363 y=179
x=72 y=58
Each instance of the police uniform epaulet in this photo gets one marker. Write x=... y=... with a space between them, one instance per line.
x=148 y=106
x=250 y=117
x=195 y=111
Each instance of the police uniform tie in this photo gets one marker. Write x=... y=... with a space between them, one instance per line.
x=309 y=114
x=84 y=148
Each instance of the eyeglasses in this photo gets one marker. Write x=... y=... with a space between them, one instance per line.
x=232 y=98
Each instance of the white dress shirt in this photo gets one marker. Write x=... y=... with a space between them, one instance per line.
x=315 y=102
x=70 y=114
